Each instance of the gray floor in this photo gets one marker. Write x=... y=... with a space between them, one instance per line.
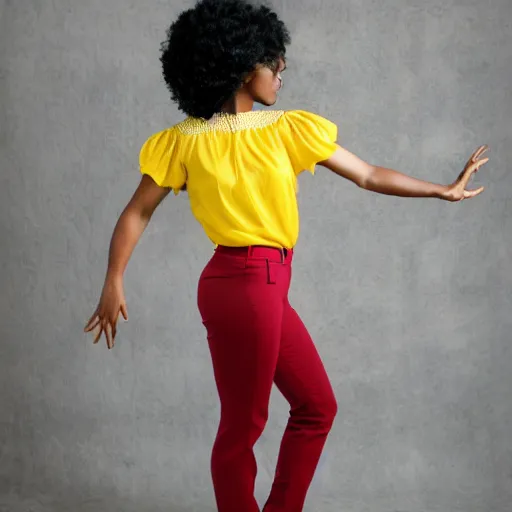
x=409 y=301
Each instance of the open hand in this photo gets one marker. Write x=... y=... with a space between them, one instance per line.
x=111 y=304
x=457 y=191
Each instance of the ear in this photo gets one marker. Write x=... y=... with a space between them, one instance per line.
x=249 y=77
x=252 y=74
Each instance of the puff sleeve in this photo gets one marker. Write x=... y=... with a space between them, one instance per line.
x=309 y=139
x=160 y=159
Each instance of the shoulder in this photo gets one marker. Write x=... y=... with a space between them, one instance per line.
x=307 y=123
x=162 y=135
x=303 y=116
x=161 y=140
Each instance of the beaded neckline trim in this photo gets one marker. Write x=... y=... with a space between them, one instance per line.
x=224 y=122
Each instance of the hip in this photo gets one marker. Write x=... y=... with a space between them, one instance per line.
x=245 y=274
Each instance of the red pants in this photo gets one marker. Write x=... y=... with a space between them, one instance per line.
x=256 y=338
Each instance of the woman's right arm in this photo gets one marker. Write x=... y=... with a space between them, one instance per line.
x=128 y=230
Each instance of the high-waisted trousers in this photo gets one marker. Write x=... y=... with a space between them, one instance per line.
x=257 y=339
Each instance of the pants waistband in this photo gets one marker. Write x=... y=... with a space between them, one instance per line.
x=259 y=252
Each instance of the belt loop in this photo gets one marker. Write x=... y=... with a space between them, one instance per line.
x=270 y=274
x=248 y=255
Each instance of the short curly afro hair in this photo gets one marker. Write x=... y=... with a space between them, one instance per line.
x=211 y=48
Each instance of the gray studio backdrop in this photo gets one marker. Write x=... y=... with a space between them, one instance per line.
x=409 y=300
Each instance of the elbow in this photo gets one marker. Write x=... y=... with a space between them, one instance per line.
x=362 y=183
x=144 y=215
x=367 y=178
x=137 y=213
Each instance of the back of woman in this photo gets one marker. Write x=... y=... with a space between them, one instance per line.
x=240 y=169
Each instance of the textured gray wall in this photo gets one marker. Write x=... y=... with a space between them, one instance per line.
x=409 y=300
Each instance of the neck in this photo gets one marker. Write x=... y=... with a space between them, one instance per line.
x=240 y=102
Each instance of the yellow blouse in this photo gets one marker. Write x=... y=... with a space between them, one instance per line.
x=240 y=171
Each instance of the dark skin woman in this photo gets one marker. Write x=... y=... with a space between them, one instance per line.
x=240 y=169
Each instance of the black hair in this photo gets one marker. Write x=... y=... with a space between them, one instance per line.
x=211 y=48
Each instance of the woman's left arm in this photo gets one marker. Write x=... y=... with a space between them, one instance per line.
x=390 y=182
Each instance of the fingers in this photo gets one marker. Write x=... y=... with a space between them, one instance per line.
x=92 y=323
x=113 y=322
x=106 y=324
x=473 y=193
x=479 y=152
x=98 y=335
x=113 y=326
x=472 y=168
x=479 y=163
x=108 y=334
x=474 y=160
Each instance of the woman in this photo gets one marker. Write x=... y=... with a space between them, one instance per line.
x=240 y=169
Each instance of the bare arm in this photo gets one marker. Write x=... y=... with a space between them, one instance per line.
x=129 y=228
x=132 y=223
x=391 y=182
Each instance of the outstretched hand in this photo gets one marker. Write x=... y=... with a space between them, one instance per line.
x=457 y=191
